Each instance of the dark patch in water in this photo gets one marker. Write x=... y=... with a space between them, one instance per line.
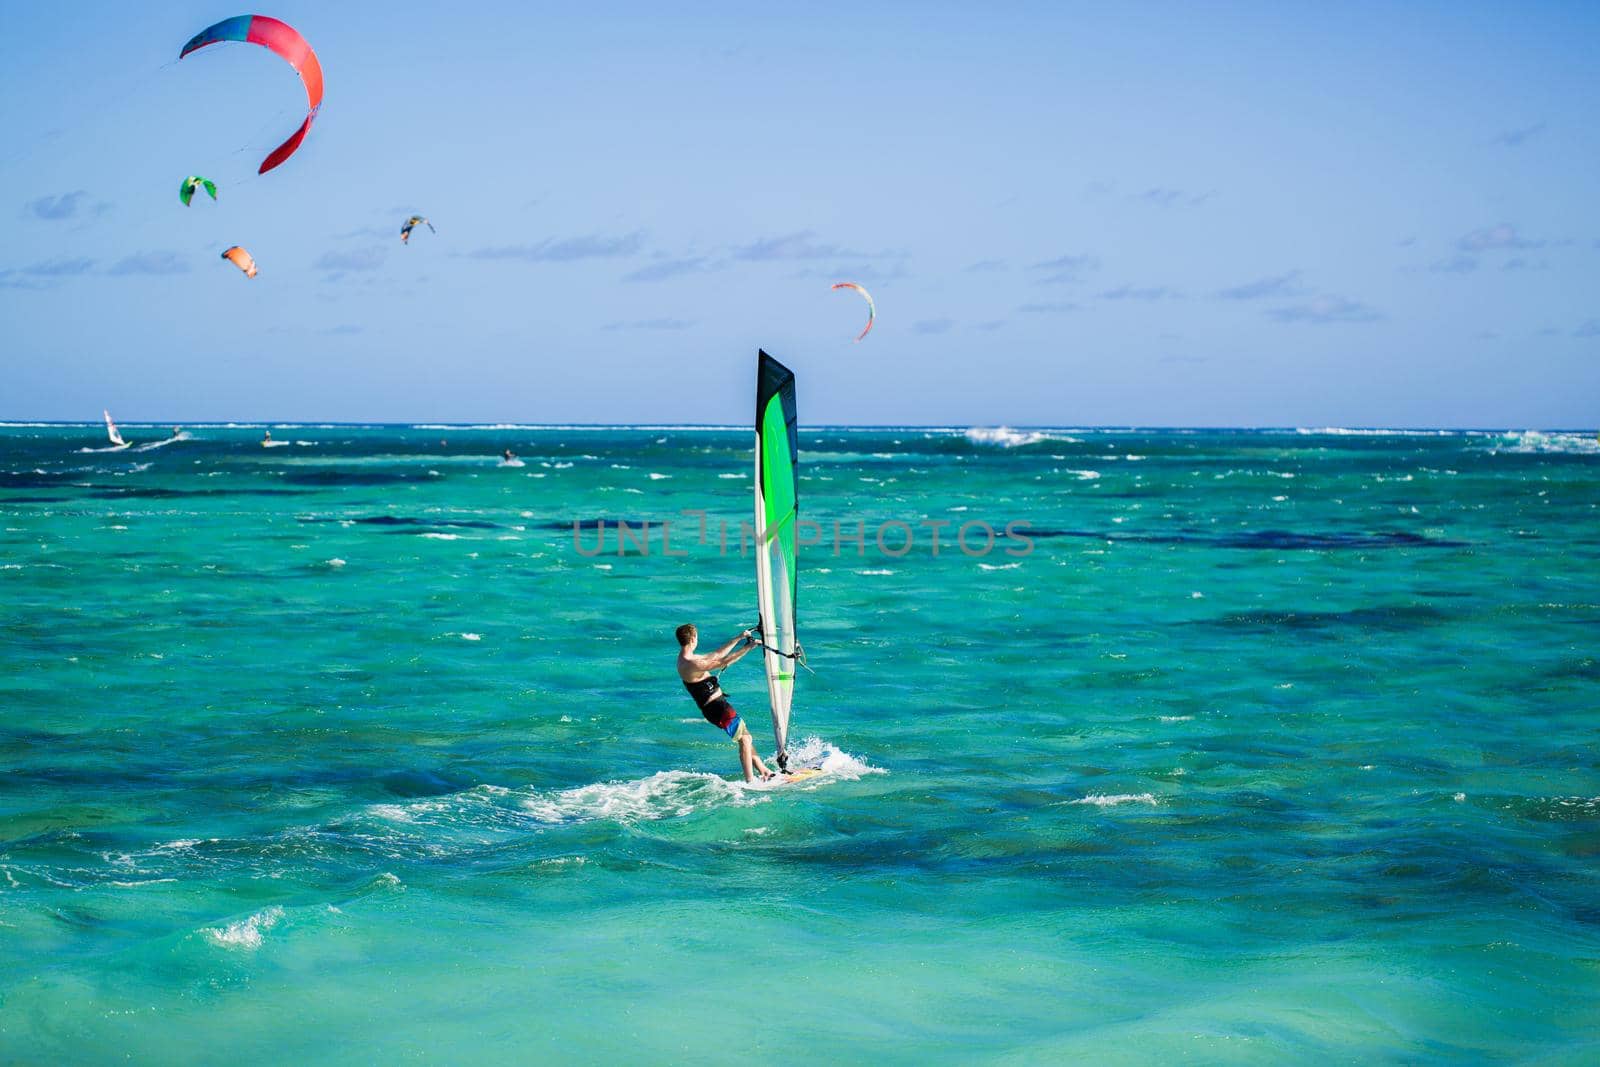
x=589 y=526
x=1257 y=539
x=1578 y=809
x=116 y=492
x=1285 y=539
x=354 y=478
x=35 y=480
x=1254 y=539
x=81 y=918
x=413 y=783
x=25 y=737
x=1398 y=617
x=1587 y=668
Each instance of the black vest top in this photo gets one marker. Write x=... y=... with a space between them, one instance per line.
x=705 y=692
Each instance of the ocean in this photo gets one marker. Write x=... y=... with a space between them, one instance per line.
x=1213 y=746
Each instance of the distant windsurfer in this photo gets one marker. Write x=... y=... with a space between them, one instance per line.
x=695 y=670
x=114 y=435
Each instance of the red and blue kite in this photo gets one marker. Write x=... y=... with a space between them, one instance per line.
x=285 y=40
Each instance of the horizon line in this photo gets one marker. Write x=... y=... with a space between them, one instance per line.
x=225 y=424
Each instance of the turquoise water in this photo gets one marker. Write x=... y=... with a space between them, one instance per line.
x=1262 y=747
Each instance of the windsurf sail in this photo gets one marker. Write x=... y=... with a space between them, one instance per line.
x=777 y=510
x=112 y=432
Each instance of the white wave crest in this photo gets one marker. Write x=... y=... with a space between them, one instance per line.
x=832 y=760
x=1004 y=436
x=182 y=435
x=674 y=794
x=246 y=933
x=663 y=795
x=1111 y=800
x=1534 y=441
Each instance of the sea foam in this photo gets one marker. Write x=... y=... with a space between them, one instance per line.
x=246 y=933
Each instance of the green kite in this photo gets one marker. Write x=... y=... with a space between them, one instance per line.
x=191 y=183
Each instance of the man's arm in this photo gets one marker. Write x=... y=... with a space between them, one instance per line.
x=735 y=657
x=720 y=656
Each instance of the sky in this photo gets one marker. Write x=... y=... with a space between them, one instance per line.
x=1274 y=214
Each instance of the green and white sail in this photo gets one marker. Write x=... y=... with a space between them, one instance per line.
x=777 y=510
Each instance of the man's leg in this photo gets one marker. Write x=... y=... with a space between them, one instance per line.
x=748 y=758
x=747 y=755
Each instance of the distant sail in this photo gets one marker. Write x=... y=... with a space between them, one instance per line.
x=777 y=508
x=111 y=431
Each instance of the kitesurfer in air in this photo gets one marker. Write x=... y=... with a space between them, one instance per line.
x=695 y=670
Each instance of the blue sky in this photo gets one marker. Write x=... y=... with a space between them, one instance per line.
x=1233 y=214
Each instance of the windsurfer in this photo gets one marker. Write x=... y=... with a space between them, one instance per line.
x=695 y=670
